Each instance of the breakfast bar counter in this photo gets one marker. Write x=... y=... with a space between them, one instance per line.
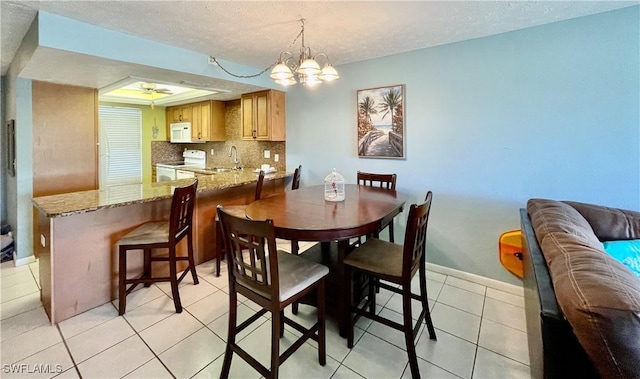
x=88 y=201
x=75 y=233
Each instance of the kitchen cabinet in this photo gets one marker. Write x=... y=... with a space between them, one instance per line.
x=207 y=122
x=263 y=116
x=206 y=117
x=177 y=113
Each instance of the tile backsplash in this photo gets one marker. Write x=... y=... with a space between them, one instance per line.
x=250 y=153
x=163 y=151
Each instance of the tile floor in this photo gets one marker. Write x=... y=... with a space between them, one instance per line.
x=480 y=330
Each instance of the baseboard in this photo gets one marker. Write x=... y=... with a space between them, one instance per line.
x=23 y=261
x=496 y=284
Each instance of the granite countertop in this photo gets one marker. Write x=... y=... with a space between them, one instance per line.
x=88 y=201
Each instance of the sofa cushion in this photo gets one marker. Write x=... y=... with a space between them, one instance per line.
x=599 y=297
x=548 y=216
x=609 y=224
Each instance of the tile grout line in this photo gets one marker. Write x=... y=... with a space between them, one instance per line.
x=156 y=356
x=66 y=346
x=475 y=355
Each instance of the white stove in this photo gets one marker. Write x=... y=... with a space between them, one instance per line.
x=166 y=171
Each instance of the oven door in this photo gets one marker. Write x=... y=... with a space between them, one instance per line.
x=165 y=174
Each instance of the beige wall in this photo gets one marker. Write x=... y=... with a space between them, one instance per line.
x=64 y=139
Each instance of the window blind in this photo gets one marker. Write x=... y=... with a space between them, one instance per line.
x=120 y=146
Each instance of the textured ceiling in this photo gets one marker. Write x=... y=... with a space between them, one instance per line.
x=253 y=33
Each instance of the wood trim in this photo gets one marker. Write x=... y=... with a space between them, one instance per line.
x=96 y=138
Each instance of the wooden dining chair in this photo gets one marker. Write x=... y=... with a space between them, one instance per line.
x=397 y=265
x=272 y=279
x=387 y=181
x=295 y=184
x=295 y=246
x=237 y=210
x=158 y=235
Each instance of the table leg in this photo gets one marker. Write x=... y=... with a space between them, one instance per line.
x=332 y=255
x=343 y=305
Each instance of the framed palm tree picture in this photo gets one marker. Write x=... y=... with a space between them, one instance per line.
x=381 y=122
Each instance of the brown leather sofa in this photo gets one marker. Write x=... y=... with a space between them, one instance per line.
x=582 y=306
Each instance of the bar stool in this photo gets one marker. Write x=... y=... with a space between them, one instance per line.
x=396 y=264
x=238 y=211
x=161 y=235
x=272 y=279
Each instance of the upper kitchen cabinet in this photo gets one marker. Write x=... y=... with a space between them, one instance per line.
x=263 y=116
x=179 y=113
x=207 y=122
x=206 y=117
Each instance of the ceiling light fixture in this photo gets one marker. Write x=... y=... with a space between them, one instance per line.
x=305 y=67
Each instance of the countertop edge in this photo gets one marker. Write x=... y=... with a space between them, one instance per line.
x=73 y=203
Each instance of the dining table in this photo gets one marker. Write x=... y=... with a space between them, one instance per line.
x=305 y=215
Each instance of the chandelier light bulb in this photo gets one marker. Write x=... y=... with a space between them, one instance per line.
x=281 y=71
x=310 y=80
x=309 y=67
x=286 y=82
x=328 y=73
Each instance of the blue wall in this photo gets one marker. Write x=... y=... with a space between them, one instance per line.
x=551 y=111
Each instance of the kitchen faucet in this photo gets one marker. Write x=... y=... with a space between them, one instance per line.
x=236 y=161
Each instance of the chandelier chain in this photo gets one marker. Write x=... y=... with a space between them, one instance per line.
x=298 y=36
x=266 y=68
x=243 y=76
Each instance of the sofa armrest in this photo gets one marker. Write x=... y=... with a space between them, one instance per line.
x=537 y=278
x=554 y=351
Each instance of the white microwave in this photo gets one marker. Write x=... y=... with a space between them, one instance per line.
x=181 y=132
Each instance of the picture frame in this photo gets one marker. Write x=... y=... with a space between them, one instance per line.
x=11 y=148
x=380 y=115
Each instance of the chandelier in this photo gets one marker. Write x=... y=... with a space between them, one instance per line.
x=305 y=67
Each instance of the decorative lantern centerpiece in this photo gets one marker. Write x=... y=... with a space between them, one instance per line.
x=334 y=187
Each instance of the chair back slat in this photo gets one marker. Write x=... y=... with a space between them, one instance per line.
x=258 y=193
x=182 y=204
x=295 y=184
x=247 y=245
x=247 y=252
x=387 y=181
x=416 y=236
